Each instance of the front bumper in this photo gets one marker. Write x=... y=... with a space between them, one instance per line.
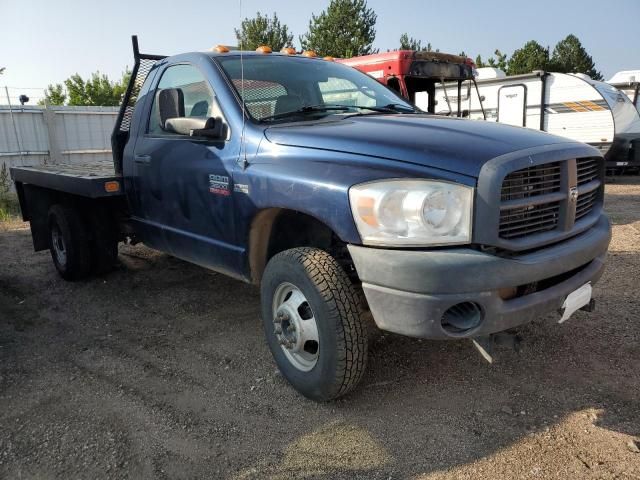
x=408 y=291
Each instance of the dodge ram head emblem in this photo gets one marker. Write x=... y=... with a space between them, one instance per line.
x=573 y=194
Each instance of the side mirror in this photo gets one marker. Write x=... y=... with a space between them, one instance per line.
x=213 y=128
x=171 y=104
x=196 y=127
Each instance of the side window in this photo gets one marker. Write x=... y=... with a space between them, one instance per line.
x=182 y=92
x=344 y=92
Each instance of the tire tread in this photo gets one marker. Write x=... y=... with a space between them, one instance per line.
x=344 y=303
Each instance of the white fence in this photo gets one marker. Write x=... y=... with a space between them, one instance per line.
x=34 y=135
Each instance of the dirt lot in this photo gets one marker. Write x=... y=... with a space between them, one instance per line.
x=160 y=370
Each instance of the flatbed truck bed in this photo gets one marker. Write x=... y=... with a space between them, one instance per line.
x=94 y=180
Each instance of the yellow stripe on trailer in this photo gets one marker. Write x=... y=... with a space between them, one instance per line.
x=575 y=106
x=592 y=106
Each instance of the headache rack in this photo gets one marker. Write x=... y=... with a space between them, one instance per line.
x=143 y=63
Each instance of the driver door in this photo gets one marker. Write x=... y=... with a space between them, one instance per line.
x=185 y=182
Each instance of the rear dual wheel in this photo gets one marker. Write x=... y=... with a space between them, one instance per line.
x=313 y=323
x=78 y=247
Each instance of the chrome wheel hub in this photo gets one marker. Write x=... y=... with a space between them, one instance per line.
x=58 y=244
x=295 y=327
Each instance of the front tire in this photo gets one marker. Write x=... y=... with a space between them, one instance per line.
x=313 y=323
x=69 y=243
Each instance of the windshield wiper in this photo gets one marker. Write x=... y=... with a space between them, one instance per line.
x=307 y=110
x=389 y=108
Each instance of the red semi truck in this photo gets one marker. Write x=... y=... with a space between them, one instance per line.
x=409 y=72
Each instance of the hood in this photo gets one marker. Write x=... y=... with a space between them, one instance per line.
x=453 y=144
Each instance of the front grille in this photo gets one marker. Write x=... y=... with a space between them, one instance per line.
x=542 y=198
x=518 y=219
x=588 y=170
x=518 y=222
x=585 y=204
x=531 y=181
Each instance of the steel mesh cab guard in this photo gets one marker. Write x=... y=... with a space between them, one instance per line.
x=143 y=63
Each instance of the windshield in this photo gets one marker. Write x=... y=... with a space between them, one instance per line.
x=276 y=85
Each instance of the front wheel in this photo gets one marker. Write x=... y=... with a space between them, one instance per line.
x=313 y=323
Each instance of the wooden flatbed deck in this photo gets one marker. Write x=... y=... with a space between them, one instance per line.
x=87 y=180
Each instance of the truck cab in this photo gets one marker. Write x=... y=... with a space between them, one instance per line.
x=350 y=209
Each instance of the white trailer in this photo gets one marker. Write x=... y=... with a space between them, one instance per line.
x=628 y=82
x=569 y=105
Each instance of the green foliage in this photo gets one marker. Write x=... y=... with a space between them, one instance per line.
x=345 y=29
x=263 y=30
x=8 y=202
x=532 y=56
x=410 y=43
x=97 y=90
x=5 y=180
x=570 y=56
x=54 y=95
x=500 y=61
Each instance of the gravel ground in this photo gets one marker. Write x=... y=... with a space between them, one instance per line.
x=160 y=370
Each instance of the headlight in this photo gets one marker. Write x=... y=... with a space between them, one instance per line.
x=412 y=212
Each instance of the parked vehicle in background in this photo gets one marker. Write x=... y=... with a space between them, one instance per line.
x=343 y=202
x=570 y=105
x=416 y=75
x=628 y=82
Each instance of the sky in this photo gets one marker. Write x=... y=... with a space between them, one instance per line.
x=46 y=41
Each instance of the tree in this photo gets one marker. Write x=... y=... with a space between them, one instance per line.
x=479 y=63
x=54 y=95
x=499 y=62
x=569 y=56
x=532 y=56
x=410 y=43
x=98 y=90
x=263 y=30
x=345 y=29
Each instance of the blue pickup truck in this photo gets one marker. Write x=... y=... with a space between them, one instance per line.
x=345 y=204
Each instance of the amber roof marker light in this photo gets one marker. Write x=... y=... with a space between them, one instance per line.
x=220 y=49
x=288 y=50
x=309 y=53
x=263 y=49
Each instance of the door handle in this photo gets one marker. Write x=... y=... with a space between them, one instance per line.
x=143 y=159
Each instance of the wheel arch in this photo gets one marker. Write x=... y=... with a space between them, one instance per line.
x=274 y=230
